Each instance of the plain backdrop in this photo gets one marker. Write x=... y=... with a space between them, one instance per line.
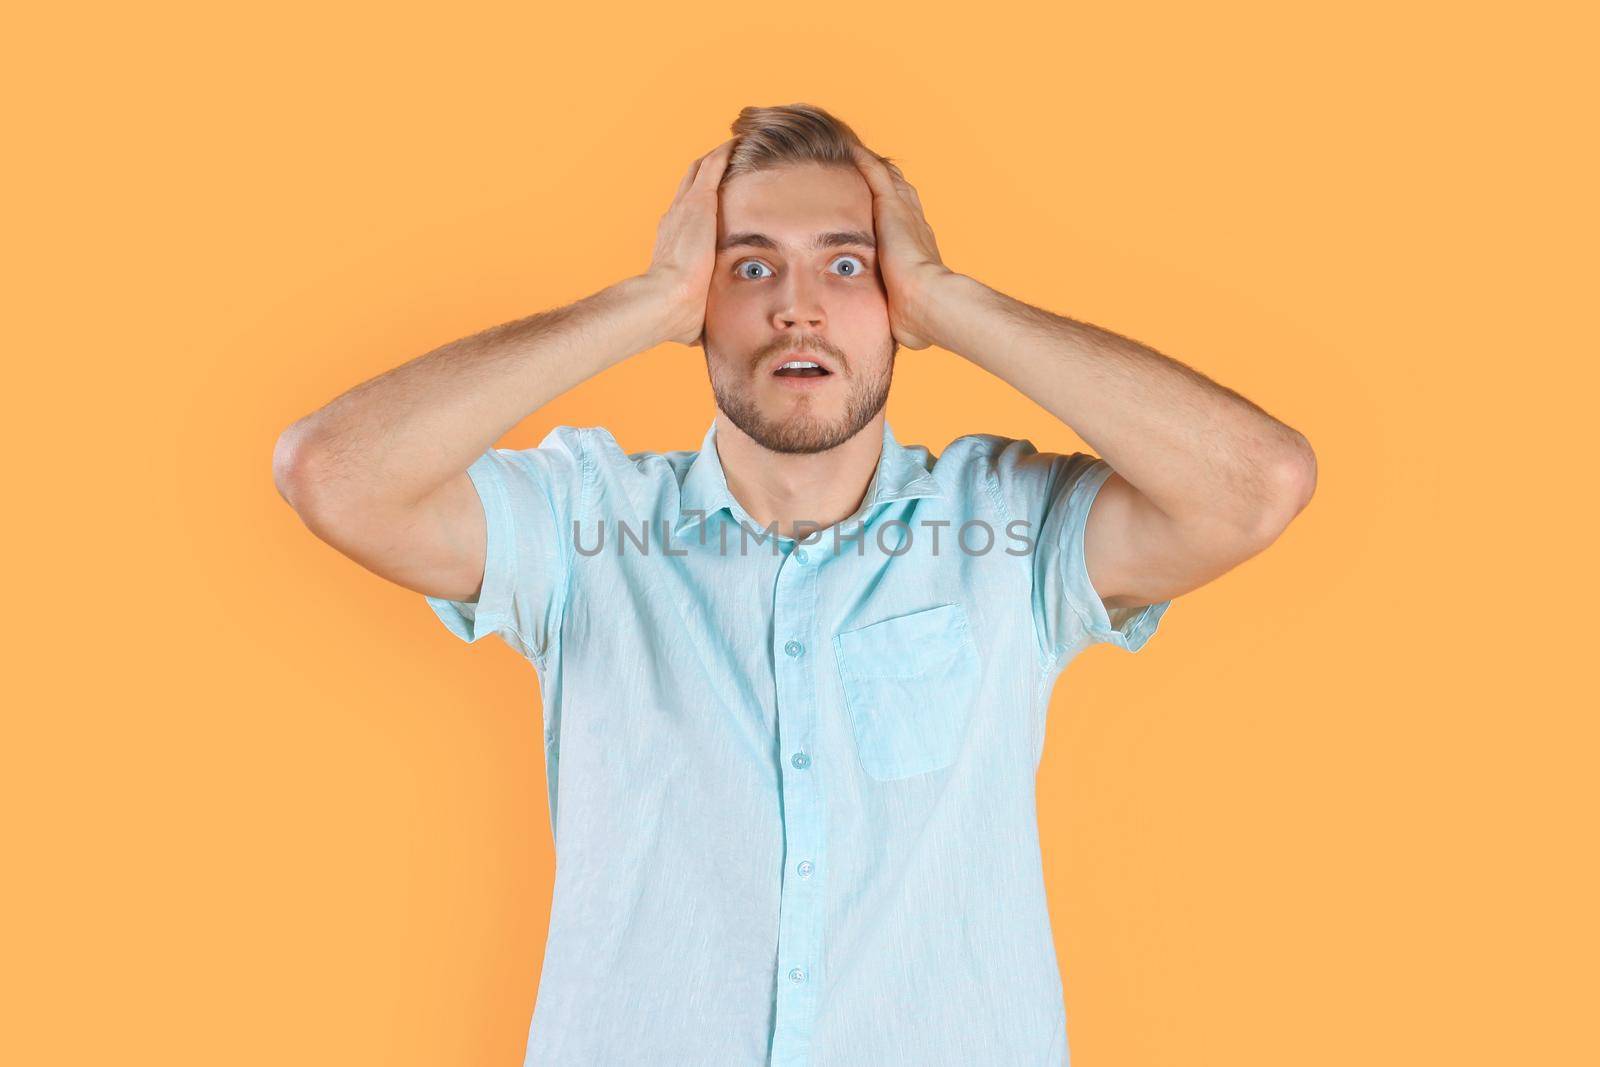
x=261 y=808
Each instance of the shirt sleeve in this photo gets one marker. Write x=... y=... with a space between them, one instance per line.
x=1055 y=492
x=530 y=499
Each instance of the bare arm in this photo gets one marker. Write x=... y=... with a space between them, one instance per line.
x=379 y=472
x=1203 y=478
x=1197 y=449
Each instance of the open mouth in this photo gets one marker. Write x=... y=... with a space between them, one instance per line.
x=800 y=368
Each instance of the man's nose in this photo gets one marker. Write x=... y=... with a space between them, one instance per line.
x=800 y=305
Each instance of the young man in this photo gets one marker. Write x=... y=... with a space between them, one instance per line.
x=795 y=681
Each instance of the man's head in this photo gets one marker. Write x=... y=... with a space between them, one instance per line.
x=796 y=278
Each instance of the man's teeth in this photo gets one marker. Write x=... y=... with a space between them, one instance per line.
x=798 y=363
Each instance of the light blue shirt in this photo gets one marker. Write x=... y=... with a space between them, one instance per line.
x=792 y=791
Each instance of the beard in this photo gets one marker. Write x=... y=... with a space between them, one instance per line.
x=804 y=431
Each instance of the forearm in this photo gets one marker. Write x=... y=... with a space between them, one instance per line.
x=396 y=438
x=1193 y=447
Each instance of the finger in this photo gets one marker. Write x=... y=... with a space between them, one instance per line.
x=688 y=180
x=878 y=177
x=896 y=175
x=689 y=176
x=900 y=181
x=712 y=166
x=694 y=168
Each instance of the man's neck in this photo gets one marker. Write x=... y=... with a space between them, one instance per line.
x=815 y=488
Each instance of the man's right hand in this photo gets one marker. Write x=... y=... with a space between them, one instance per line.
x=686 y=252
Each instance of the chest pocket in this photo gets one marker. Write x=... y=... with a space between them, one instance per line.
x=909 y=684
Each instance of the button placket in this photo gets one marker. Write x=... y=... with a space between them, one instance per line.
x=799 y=949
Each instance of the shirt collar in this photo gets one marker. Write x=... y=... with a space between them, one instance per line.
x=900 y=475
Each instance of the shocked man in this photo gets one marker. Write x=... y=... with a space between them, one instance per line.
x=795 y=681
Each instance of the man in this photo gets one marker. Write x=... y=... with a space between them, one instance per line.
x=794 y=694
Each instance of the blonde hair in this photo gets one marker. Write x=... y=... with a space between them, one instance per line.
x=769 y=137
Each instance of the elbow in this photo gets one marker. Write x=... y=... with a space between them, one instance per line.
x=1292 y=476
x=292 y=460
x=1301 y=472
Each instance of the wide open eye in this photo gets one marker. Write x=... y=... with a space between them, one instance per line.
x=858 y=269
x=740 y=269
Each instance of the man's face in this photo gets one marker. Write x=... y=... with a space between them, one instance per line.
x=775 y=297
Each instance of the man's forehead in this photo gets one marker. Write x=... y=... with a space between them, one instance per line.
x=798 y=206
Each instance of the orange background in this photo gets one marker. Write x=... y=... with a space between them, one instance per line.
x=261 y=808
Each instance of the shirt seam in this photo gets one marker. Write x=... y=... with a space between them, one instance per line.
x=1086 y=482
x=569 y=557
x=1042 y=657
x=488 y=622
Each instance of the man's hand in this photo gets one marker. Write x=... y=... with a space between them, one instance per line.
x=686 y=247
x=908 y=255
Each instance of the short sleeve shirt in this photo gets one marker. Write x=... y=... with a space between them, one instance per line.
x=791 y=783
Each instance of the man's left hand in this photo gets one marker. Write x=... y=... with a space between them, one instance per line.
x=908 y=255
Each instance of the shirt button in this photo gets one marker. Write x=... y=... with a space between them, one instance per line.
x=800 y=759
x=800 y=554
x=794 y=648
x=804 y=868
x=796 y=974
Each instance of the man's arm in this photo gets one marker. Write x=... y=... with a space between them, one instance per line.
x=380 y=472
x=1203 y=479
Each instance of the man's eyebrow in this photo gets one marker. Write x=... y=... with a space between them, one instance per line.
x=832 y=239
